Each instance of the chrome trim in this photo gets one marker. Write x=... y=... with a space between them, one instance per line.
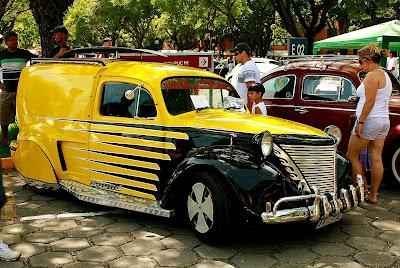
x=38 y=184
x=323 y=207
x=311 y=107
x=316 y=164
x=112 y=199
x=288 y=163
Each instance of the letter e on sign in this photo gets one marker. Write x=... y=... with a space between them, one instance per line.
x=203 y=62
x=297 y=46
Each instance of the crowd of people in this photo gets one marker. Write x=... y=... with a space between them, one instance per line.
x=370 y=129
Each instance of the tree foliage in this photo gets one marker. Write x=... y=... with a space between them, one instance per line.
x=10 y=11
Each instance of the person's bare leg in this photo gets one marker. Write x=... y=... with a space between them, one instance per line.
x=4 y=134
x=375 y=149
x=356 y=145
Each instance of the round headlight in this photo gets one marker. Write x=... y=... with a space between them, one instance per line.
x=266 y=143
x=335 y=132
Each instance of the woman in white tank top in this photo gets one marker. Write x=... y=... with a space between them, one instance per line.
x=372 y=124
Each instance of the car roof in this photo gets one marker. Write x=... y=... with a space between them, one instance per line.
x=350 y=66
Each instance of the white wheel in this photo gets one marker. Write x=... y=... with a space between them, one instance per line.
x=395 y=165
x=200 y=208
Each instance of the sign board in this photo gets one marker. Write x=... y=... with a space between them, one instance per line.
x=201 y=60
x=297 y=46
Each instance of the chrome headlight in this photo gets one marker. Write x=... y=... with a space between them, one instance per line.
x=335 y=132
x=266 y=143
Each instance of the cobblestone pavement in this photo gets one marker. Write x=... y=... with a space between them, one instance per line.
x=366 y=237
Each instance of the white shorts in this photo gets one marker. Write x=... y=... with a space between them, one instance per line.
x=374 y=128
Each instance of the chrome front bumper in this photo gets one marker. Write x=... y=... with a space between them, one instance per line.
x=324 y=205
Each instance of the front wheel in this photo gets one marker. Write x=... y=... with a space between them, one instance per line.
x=393 y=164
x=210 y=209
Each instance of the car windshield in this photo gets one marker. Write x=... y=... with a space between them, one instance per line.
x=185 y=94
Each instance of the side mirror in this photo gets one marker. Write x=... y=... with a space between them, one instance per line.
x=353 y=99
x=129 y=94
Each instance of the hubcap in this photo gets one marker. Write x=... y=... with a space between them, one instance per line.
x=396 y=164
x=200 y=208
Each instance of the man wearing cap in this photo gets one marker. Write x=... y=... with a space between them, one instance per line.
x=392 y=64
x=60 y=36
x=12 y=61
x=248 y=73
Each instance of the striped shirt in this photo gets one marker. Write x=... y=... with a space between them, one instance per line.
x=12 y=64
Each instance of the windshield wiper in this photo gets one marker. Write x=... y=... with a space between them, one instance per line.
x=202 y=108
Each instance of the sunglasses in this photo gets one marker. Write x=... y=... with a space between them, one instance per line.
x=237 y=53
x=360 y=61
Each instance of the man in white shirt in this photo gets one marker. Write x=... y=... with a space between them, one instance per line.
x=249 y=72
x=392 y=64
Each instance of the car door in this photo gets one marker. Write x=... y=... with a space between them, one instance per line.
x=280 y=96
x=324 y=101
x=126 y=143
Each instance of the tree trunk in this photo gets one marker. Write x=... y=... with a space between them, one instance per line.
x=48 y=14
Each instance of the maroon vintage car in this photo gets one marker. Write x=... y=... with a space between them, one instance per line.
x=318 y=91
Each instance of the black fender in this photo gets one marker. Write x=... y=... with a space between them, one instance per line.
x=343 y=171
x=248 y=177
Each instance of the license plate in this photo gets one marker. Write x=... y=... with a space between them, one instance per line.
x=329 y=220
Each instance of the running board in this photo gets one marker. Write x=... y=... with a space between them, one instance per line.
x=111 y=199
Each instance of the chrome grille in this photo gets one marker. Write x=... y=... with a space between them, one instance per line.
x=316 y=163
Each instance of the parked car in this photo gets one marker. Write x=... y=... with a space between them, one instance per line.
x=263 y=64
x=318 y=92
x=164 y=139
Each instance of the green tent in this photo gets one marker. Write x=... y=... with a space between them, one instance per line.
x=385 y=35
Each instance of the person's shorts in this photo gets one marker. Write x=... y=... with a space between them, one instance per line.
x=374 y=128
x=7 y=107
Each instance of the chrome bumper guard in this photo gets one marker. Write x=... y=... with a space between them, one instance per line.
x=324 y=205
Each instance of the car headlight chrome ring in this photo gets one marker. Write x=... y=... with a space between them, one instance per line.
x=266 y=143
x=334 y=132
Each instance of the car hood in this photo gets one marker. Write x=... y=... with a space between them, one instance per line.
x=234 y=121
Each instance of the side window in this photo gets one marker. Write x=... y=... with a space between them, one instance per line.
x=115 y=102
x=281 y=87
x=146 y=107
x=327 y=88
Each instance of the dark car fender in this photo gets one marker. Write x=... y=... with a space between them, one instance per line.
x=244 y=174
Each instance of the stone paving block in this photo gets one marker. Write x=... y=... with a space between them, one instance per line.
x=14 y=264
x=84 y=232
x=37 y=197
x=332 y=249
x=98 y=221
x=366 y=243
x=98 y=254
x=39 y=223
x=70 y=244
x=146 y=235
x=181 y=241
x=133 y=262
x=111 y=239
x=19 y=228
x=395 y=250
x=249 y=260
x=220 y=252
x=289 y=265
x=387 y=225
x=212 y=264
x=391 y=236
x=10 y=239
x=122 y=227
x=59 y=225
x=25 y=212
x=51 y=259
x=381 y=215
x=44 y=237
x=361 y=230
x=176 y=257
x=83 y=265
x=32 y=204
x=357 y=218
x=375 y=259
x=334 y=235
x=28 y=249
x=258 y=246
x=295 y=255
x=335 y=262
x=140 y=247
x=396 y=210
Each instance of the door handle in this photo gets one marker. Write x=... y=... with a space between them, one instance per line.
x=301 y=110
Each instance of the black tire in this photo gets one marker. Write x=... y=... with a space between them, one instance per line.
x=393 y=163
x=209 y=207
